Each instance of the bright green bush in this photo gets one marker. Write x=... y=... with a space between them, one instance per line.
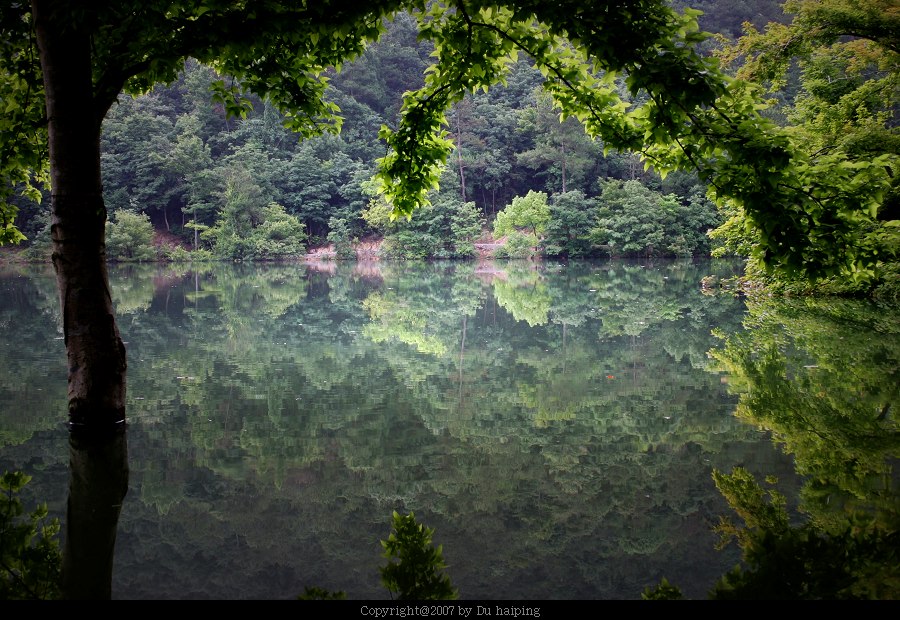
x=410 y=245
x=634 y=220
x=280 y=235
x=518 y=245
x=447 y=228
x=129 y=237
x=178 y=254
x=530 y=212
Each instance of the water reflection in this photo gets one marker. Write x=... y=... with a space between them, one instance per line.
x=824 y=378
x=98 y=482
x=557 y=425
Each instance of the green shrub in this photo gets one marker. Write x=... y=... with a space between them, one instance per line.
x=410 y=245
x=178 y=254
x=415 y=569
x=129 y=237
x=30 y=559
x=518 y=245
x=530 y=212
x=339 y=237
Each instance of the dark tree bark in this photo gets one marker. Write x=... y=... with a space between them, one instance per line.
x=94 y=349
x=95 y=352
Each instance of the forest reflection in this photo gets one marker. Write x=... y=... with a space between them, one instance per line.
x=557 y=424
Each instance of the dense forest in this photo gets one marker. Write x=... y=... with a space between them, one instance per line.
x=184 y=178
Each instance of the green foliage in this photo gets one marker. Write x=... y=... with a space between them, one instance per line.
x=406 y=244
x=279 y=235
x=734 y=236
x=572 y=216
x=178 y=254
x=555 y=398
x=267 y=233
x=30 y=559
x=518 y=245
x=794 y=382
x=801 y=562
x=844 y=123
x=781 y=561
x=129 y=237
x=40 y=248
x=816 y=197
x=665 y=591
x=378 y=213
x=137 y=165
x=415 y=567
x=761 y=510
x=524 y=296
x=393 y=65
x=444 y=228
x=24 y=164
x=530 y=212
x=339 y=237
x=562 y=152
x=634 y=220
x=466 y=224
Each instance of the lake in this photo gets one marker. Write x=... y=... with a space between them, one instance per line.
x=556 y=424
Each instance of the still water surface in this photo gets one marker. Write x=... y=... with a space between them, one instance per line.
x=557 y=425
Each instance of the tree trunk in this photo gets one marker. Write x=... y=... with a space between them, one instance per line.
x=95 y=352
x=459 y=159
x=563 y=150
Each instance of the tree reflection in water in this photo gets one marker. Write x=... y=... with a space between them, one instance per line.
x=830 y=407
x=558 y=424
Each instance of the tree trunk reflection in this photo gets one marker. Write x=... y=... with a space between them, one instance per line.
x=98 y=482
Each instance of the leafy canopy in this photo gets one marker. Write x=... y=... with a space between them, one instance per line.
x=845 y=54
x=692 y=116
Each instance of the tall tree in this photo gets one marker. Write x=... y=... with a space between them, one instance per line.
x=562 y=153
